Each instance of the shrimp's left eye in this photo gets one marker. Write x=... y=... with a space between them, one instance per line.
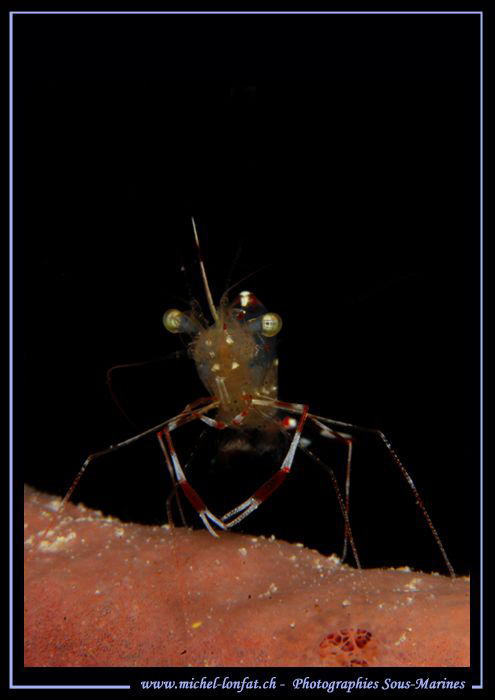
x=176 y=321
x=172 y=320
x=270 y=324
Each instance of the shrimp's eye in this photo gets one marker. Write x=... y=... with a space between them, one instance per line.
x=270 y=324
x=177 y=321
x=173 y=320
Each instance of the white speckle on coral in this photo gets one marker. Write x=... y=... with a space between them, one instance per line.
x=272 y=588
x=54 y=504
x=413 y=584
x=58 y=543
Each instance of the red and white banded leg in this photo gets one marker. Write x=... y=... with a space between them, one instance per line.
x=290 y=423
x=174 y=467
x=405 y=474
x=191 y=494
x=272 y=484
x=284 y=424
x=185 y=417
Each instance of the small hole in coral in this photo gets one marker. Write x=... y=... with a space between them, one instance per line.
x=342 y=646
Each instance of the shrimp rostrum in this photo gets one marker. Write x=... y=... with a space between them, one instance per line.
x=235 y=357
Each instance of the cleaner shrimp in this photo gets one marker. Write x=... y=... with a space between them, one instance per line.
x=235 y=358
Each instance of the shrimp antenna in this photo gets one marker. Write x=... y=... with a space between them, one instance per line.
x=203 y=275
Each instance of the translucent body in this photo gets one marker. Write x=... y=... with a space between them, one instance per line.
x=235 y=361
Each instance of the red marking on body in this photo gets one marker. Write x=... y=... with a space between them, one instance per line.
x=220 y=425
x=247 y=301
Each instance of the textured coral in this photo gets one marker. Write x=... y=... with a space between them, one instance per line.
x=102 y=593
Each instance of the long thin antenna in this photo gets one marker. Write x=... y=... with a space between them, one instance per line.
x=203 y=275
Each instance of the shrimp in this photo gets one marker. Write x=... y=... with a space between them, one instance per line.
x=235 y=358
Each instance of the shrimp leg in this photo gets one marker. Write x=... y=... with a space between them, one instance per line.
x=323 y=423
x=180 y=479
x=171 y=424
x=273 y=483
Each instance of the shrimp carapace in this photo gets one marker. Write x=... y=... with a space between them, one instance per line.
x=235 y=356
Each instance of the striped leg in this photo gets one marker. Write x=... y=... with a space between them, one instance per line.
x=287 y=423
x=265 y=491
x=322 y=422
x=174 y=467
x=402 y=469
x=171 y=424
x=327 y=432
x=180 y=479
x=347 y=440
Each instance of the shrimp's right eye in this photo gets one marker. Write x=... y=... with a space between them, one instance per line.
x=173 y=320
x=271 y=324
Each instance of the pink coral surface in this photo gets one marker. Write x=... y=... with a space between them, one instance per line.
x=102 y=593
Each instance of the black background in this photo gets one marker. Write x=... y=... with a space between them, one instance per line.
x=341 y=153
